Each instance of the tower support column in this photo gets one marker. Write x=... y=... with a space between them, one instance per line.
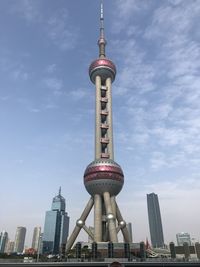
x=98 y=118
x=79 y=224
x=109 y=121
x=110 y=218
x=97 y=218
x=124 y=230
x=113 y=205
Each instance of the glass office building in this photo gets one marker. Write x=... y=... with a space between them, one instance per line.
x=3 y=241
x=36 y=237
x=20 y=239
x=56 y=226
x=155 y=223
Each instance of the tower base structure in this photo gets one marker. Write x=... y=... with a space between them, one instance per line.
x=108 y=221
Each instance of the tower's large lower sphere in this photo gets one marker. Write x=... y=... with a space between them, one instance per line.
x=103 y=175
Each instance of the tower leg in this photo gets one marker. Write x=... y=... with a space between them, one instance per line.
x=87 y=230
x=104 y=223
x=113 y=205
x=111 y=218
x=124 y=230
x=97 y=218
x=79 y=224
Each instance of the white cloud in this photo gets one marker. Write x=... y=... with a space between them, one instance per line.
x=126 y=9
x=51 y=68
x=50 y=105
x=158 y=78
x=19 y=161
x=4 y=98
x=57 y=28
x=15 y=68
x=54 y=84
x=134 y=73
x=34 y=110
x=60 y=32
x=158 y=160
x=79 y=93
x=170 y=21
x=19 y=74
x=26 y=9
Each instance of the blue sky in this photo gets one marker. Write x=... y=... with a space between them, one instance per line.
x=47 y=108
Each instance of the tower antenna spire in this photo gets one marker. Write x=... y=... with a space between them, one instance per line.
x=102 y=41
x=59 y=193
x=102 y=22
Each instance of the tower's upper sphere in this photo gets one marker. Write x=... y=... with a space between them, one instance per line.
x=103 y=175
x=102 y=67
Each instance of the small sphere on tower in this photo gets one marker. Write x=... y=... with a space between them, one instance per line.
x=103 y=175
x=102 y=67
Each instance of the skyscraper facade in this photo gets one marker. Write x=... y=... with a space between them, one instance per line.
x=103 y=177
x=155 y=223
x=19 y=239
x=56 y=226
x=36 y=238
x=10 y=247
x=183 y=238
x=3 y=241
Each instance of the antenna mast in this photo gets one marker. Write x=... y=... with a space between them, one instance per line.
x=102 y=41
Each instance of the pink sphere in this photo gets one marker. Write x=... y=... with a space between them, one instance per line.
x=103 y=175
x=102 y=67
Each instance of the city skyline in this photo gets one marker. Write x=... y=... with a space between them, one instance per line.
x=45 y=93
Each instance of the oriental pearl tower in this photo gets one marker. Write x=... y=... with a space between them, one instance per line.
x=103 y=177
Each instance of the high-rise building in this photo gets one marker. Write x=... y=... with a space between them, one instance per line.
x=56 y=226
x=183 y=238
x=10 y=247
x=3 y=241
x=103 y=177
x=36 y=238
x=155 y=223
x=19 y=239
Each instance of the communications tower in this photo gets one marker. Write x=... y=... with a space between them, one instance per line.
x=103 y=177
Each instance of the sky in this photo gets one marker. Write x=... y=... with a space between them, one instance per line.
x=47 y=109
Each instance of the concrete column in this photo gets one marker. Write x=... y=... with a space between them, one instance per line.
x=79 y=224
x=113 y=205
x=124 y=230
x=109 y=119
x=87 y=230
x=98 y=118
x=97 y=218
x=104 y=223
x=110 y=218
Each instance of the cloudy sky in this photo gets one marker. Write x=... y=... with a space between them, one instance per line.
x=47 y=108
